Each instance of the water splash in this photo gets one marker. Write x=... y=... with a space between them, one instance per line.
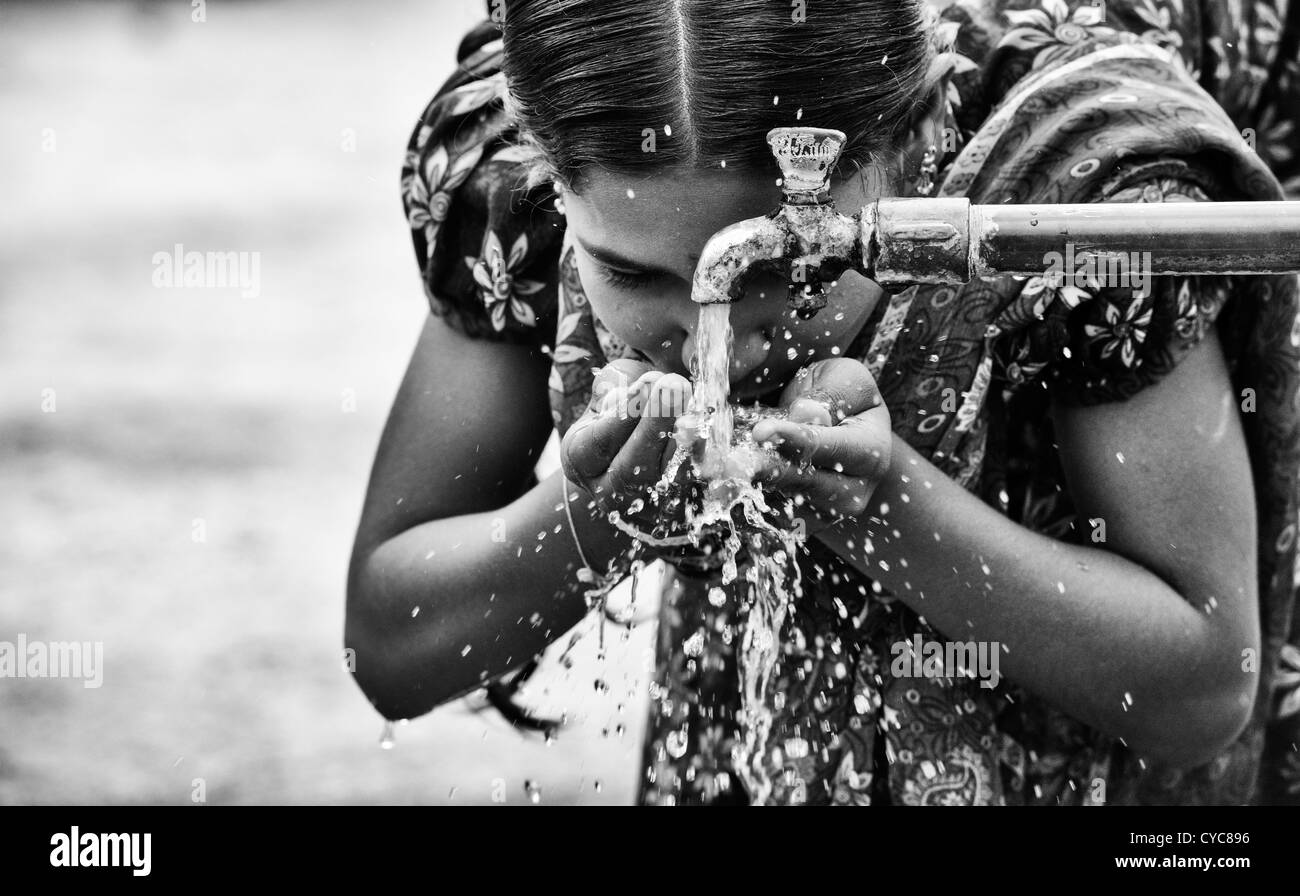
x=734 y=515
x=728 y=519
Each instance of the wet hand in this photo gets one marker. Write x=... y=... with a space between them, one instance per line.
x=622 y=445
x=833 y=445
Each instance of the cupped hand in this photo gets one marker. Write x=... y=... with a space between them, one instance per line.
x=620 y=448
x=833 y=445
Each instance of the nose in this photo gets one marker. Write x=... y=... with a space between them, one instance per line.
x=752 y=322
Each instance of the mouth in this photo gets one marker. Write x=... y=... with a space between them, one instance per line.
x=745 y=390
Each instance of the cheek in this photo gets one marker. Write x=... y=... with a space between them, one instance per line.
x=613 y=309
x=631 y=316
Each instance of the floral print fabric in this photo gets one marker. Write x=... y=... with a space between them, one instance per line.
x=1134 y=101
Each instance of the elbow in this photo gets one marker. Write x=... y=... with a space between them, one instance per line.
x=397 y=687
x=1204 y=726
x=398 y=675
x=365 y=657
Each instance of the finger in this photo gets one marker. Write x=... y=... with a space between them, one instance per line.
x=592 y=443
x=818 y=493
x=595 y=439
x=642 y=458
x=615 y=382
x=814 y=410
x=841 y=387
x=856 y=447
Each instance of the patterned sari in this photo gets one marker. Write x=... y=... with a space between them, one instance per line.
x=1139 y=101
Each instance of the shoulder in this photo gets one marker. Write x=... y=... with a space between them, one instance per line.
x=486 y=242
x=1098 y=329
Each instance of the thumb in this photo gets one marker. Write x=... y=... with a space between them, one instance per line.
x=616 y=379
x=826 y=392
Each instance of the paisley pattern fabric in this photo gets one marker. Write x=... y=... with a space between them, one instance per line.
x=1130 y=101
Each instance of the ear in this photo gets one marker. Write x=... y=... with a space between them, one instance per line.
x=926 y=127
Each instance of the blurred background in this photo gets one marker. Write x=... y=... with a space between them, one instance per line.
x=182 y=469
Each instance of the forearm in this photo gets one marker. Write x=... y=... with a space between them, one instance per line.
x=438 y=609
x=1098 y=635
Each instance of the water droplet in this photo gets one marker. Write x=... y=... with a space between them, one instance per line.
x=386 y=739
x=668 y=130
x=717 y=597
x=694 y=645
x=599 y=786
x=631 y=194
x=1120 y=456
x=534 y=791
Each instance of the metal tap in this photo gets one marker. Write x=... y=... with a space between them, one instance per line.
x=898 y=242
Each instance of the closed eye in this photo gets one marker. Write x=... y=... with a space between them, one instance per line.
x=628 y=280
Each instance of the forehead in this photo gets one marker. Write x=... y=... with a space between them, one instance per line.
x=679 y=205
x=665 y=219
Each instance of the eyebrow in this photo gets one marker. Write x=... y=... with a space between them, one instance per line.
x=614 y=260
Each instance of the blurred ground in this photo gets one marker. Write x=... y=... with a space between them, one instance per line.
x=128 y=128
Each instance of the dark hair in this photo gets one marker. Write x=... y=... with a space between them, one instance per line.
x=587 y=78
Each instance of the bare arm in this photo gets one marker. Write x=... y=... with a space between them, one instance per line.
x=450 y=582
x=1159 y=614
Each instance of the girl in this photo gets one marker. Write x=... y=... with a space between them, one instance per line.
x=1097 y=484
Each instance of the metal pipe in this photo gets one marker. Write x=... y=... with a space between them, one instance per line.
x=948 y=240
x=1183 y=238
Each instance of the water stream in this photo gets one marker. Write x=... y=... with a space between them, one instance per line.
x=736 y=516
x=726 y=514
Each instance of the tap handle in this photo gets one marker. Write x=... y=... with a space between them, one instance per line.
x=806 y=156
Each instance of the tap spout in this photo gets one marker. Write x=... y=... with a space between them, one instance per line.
x=805 y=240
x=733 y=254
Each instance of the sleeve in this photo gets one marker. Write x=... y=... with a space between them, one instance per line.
x=1104 y=331
x=487 y=241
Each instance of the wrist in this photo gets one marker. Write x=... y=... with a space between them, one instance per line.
x=597 y=542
